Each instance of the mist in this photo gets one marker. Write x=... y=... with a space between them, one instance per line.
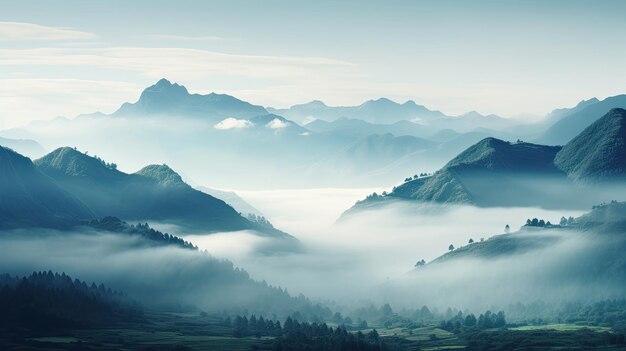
x=156 y=276
x=369 y=257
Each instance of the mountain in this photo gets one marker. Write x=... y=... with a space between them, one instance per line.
x=575 y=122
x=598 y=153
x=490 y=173
x=167 y=99
x=156 y=192
x=357 y=128
x=381 y=110
x=559 y=113
x=607 y=221
x=473 y=120
x=29 y=198
x=231 y=198
x=26 y=147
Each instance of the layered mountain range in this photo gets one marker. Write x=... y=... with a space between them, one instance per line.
x=66 y=187
x=310 y=144
x=494 y=172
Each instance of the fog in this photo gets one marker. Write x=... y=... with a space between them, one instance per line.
x=252 y=158
x=369 y=257
x=155 y=276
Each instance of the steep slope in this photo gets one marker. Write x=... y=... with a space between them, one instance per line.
x=165 y=98
x=559 y=113
x=490 y=173
x=234 y=200
x=155 y=192
x=599 y=152
x=29 y=198
x=571 y=125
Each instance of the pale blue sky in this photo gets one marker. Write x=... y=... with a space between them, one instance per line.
x=504 y=57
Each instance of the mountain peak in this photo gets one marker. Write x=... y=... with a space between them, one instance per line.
x=71 y=162
x=163 y=82
x=165 y=86
x=599 y=152
x=171 y=99
x=495 y=154
x=163 y=174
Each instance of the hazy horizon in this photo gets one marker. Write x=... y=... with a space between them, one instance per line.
x=508 y=58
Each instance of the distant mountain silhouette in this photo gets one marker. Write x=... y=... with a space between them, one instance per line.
x=26 y=147
x=165 y=98
x=381 y=110
x=234 y=200
x=499 y=173
x=599 y=152
x=570 y=125
x=29 y=198
x=156 y=192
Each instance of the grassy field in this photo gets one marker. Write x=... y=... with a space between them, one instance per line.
x=194 y=331
x=561 y=327
x=162 y=331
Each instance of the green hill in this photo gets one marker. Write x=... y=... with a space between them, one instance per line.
x=599 y=152
x=29 y=198
x=155 y=193
x=490 y=173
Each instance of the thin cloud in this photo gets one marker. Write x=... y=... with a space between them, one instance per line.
x=189 y=37
x=181 y=63
x=233 y=123
x=14 y=31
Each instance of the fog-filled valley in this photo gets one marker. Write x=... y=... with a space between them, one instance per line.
x=257 y=215
x=333 y=176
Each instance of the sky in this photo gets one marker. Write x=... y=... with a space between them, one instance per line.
x=511 y=58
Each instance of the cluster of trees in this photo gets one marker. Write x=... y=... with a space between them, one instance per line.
x=116 y=225
x=375 y=196
x=606 y=313
x=566 y=221
x=47 y=300
x=259 y=220
x=416 y=176
x=603 y=204
x=108 y=165
x=295 y=335
x=111 y=165
x=298 y=336
x=254 y=327
x=488 y=320
x=537 y=223
x=420 y=263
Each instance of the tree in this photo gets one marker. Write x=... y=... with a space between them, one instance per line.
x=470 y=241
x=541 y=223
x=470 y=320
x=563 y=221
x=451 y=247
x=420 y=263
x=386 y=310
x=507 y=229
